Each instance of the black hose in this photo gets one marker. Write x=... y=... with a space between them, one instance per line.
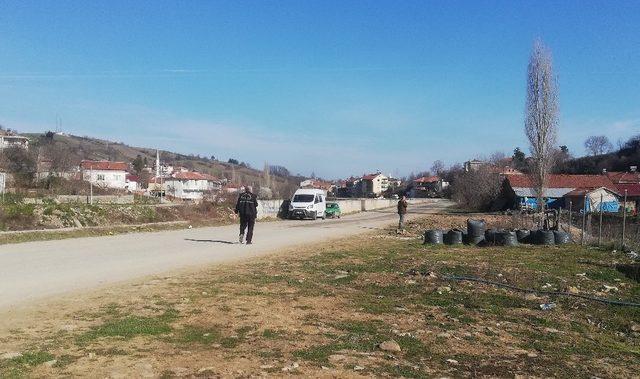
x=555 y=293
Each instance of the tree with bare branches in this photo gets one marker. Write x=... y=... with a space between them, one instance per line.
x=541 y=116
x=598 y=145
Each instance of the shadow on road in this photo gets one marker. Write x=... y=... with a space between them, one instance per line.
x=210 y=241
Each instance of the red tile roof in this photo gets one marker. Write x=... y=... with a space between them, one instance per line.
x=633 y=190
x=584 y=191
x=104 y=165
x=624 y=177
x=564 y=181
x=133 y=178
x=427 y=179
x=371 y=176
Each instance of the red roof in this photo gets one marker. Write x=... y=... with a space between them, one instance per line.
x=133 y=178
x=624 y=177
x=584 y=191
x=564 y=181
x=371 y=176
x=104 y=165
x=633 y=190
x=192 y=176
x=427 y=179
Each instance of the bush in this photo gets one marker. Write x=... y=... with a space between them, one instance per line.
x=476 y=190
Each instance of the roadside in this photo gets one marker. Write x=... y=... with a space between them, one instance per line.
x=327 y=309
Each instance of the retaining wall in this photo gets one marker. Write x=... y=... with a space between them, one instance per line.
x=272 y=208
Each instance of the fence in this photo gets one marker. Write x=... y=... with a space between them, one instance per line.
x=591 y=225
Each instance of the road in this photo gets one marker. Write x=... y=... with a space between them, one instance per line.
x=40 y=270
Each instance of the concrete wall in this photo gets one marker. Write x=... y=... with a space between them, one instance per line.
x=271 y=208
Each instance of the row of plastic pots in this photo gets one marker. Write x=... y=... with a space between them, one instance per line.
x=497 y=237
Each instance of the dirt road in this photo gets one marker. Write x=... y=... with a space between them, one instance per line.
x=40 y=270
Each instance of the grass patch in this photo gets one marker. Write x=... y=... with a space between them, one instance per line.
x=131 y=326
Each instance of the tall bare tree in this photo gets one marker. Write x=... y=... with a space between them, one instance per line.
x=598 y=145
x=541 y=116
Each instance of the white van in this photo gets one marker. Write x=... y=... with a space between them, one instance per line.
x=308 y=203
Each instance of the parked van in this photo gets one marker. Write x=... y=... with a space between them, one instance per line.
x=308 y=203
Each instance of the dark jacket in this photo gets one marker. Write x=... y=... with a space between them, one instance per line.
x=402 y=207
x=247 y=205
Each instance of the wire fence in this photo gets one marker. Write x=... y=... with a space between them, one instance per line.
x=588 y=226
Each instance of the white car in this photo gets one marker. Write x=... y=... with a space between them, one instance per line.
x=308 y=203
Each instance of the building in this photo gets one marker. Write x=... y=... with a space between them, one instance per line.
x=473 y=165
x=428 y=186
x=632 y=192
x=374 y=184
x=317 y=184
x=518 y=191
x=594 y=200
x=105 y=173
x=191 y=185
x=10 y=140
x=132 y=182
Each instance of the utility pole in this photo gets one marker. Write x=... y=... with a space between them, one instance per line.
x=91 y=184
x=624 y=218
x=600 y=226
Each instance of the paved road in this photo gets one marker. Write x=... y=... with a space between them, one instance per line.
x=38 y=270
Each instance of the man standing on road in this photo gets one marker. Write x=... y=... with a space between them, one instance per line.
x=247 y=208
x=402 y=211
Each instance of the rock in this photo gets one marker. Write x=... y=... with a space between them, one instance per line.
x=444 y=289
x=635 y=327
x=180 y=371
x=391 y=346
x=532 y=355
x=266 y=367
x=358 y=368
x=609 y=288
x=531 y=297
x=573 y=290
x=51 y=363
x=341 y=276
x=443 y=335
x=291 y=367
x=452 y=361
x=551 y=330
x=209 y=370
x=10 y=355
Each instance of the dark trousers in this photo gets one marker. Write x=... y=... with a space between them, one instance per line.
x=247 y=222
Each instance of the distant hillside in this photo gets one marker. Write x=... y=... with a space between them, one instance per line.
x=620 y=160
x=73 y=149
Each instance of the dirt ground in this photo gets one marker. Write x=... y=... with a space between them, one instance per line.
x=327 y=311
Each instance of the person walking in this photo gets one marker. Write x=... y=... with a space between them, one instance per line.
x=247 y=209
x=402 y=211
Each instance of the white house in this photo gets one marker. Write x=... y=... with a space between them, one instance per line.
x=191 y=185
x=105 y=174
x=374 y=184
x=9 y=140
x=132 y=182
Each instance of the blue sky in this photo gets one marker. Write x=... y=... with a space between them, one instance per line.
x=331 y=87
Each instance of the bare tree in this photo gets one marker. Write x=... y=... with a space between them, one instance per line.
x=541 y=115
x=438 y=167
x=598 y=145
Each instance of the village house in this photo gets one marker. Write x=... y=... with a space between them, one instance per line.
x=428 y=186
x=132 y=183
x=191 y=185
x=518 y=191
x=374 y=184
x=628 y=183
x=317 y=184
x=105 y=173
x=9 y=140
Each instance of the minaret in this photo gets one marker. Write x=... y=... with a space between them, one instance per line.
x=157 y=163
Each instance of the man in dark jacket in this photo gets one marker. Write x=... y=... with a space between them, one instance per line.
x=247 y=209
x=402 y=211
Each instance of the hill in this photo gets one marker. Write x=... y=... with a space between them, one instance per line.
x=66 y=151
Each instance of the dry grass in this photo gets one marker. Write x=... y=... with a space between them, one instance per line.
x=322 y=312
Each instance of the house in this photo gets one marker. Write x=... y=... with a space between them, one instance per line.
x=428 y=186
x=518 y=191
x=473 y=165
x=628 y=183
x=9 y=140
x=374 y=184
x=132 y=182
x=105 y=173
x=318 y=184
x=593 y=200
x=191 y=185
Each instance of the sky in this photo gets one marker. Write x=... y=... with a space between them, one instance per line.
x=336 y=88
